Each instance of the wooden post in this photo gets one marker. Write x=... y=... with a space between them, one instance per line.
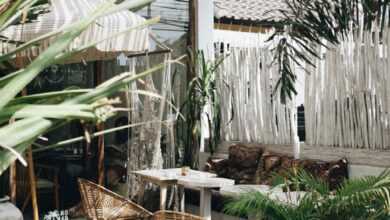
x=12 y=182
x=32 y=179
x=100 y=127
x=101 y=156
x=192 y=24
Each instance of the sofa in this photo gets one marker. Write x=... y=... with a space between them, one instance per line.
x=254 y=165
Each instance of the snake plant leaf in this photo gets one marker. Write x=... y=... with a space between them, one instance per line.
x=49 y=97
x=68 y=112
x=22 y=133
x=13 y=15
x=10 y=10
x=7 y=157
x=94 y=135
x=16 y=134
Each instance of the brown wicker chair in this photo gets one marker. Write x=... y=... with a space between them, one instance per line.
x=100 y=203
x=171 y=215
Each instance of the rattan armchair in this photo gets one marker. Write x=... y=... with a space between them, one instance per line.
x=171 y=215
x=100 y=203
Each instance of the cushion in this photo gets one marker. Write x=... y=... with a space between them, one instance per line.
x=244 y=156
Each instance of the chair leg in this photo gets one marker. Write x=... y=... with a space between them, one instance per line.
x=56 y=193
x=25 y=203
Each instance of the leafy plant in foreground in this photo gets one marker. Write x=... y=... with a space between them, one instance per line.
x=363 y=198
x=37 y=114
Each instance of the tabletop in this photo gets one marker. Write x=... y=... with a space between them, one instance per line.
x=194 y=178
x=204 y=182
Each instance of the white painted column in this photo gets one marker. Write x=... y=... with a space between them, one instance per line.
x=204 y=41
x=205 y=27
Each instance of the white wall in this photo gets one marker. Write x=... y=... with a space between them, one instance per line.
x=205 y=26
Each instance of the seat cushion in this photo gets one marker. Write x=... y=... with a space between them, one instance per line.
x=244 y=156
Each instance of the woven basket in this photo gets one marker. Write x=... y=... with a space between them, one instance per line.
x=171 y=215
x=100 y=203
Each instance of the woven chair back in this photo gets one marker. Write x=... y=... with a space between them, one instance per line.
x=102 y=204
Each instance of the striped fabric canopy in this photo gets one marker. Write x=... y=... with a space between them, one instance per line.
x=64 y=12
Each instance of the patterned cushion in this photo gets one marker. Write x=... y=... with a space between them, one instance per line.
x=244 y=156
x=254 y=165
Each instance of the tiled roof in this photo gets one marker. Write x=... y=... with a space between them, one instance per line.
x=253 y=10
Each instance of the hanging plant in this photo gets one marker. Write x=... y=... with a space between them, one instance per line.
x=308 y=24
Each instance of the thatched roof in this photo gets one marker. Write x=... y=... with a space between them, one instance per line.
x=249 y=10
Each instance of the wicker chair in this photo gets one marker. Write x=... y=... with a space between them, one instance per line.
x=171 y=215
x=100 y=203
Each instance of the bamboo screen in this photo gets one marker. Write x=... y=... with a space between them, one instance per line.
x=347 y=98
x=250 y=111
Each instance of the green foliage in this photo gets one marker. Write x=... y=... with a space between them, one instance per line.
x=201 y=91
x=363 y=198
x=307 y=24
x=37 y=114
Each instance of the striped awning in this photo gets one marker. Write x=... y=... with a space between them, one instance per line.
x=64 y=12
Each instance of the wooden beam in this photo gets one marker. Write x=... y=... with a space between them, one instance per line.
x=101 y=156
x=241 y=28
x=149 y=53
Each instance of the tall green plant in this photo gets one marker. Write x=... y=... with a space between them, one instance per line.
x=363 y=198
x=37 y=114
x=201 y=92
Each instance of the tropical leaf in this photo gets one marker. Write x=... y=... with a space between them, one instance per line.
x=40 y=113
x=20 y=81
x=356 y=199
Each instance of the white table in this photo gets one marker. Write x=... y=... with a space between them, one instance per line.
x=203 y=181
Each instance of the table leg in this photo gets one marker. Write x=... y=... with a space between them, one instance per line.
x=205 y=203
x=163 y=196
x=141 y=191
x=182 y=198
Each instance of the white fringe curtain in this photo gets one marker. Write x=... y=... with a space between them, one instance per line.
x=347 y=98
x=250 y=110
x=145 y=150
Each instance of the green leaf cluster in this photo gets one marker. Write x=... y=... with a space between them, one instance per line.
x=34 y=115
x=356 y=199
x=201 y=91
x=308 y=24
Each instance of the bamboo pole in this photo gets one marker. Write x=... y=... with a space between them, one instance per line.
x=100 y=127
x=33 y=188
x=101 y=156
